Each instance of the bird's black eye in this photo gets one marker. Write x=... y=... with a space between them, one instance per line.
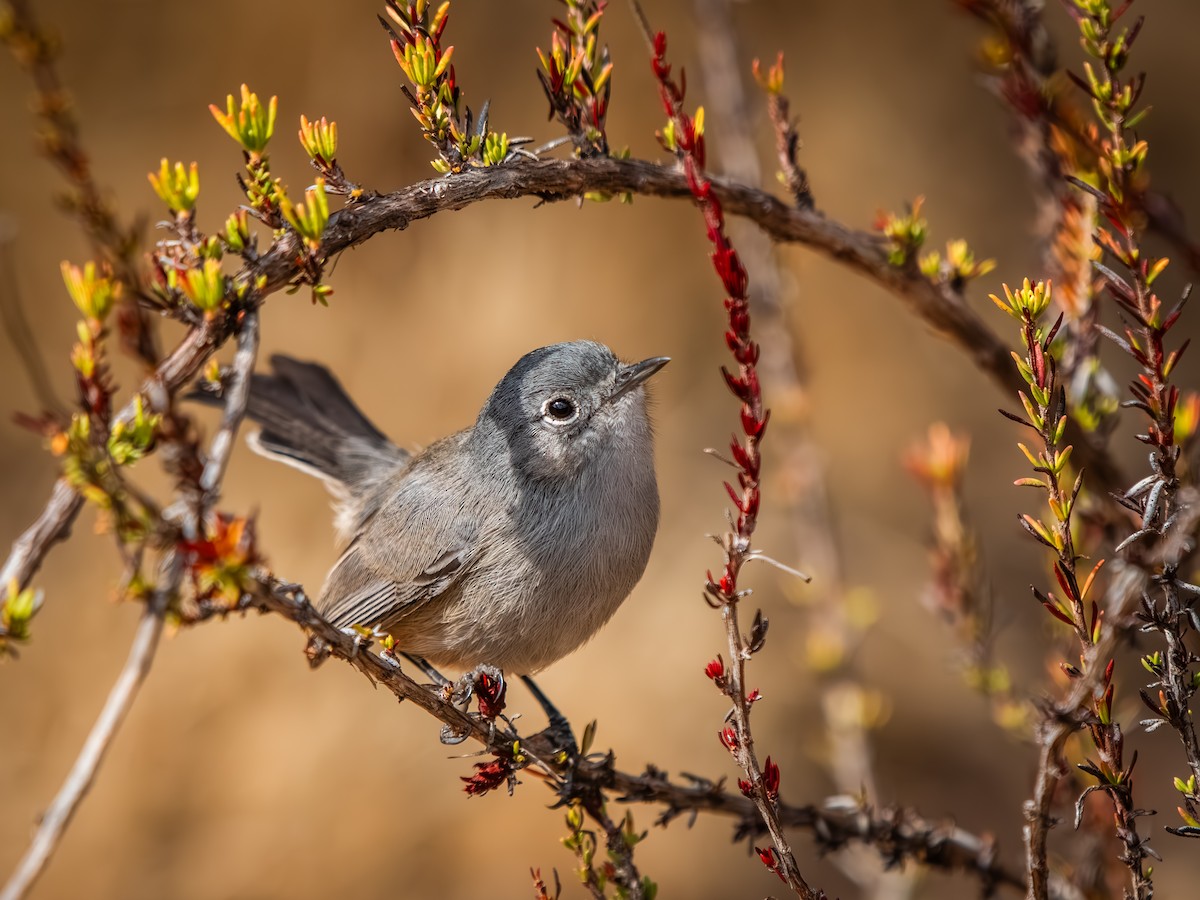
x=560 y=408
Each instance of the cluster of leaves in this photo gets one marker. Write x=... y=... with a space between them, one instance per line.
x=221 y=562
x=905 y=235
x=1045 y=408
x=17 y=609
x=92 y=446
x=189 y=268
x=447 y=123
x=320 y=141
x=576 y=76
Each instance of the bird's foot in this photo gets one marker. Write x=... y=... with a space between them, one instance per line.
x=486 y=684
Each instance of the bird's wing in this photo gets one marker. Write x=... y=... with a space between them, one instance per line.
x=358 y=593
x=413 y=550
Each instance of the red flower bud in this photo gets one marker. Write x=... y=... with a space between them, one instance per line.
x=716 y=668
x=771 y=780
x=729 y=737
x=746 y=788
x=488 y=776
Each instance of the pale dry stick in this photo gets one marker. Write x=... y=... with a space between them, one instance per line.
x=120 y=699
x=237 y=397
x=124 y=691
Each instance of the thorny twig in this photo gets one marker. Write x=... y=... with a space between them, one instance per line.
x=1159 y=500
x=762 y=781
x=898 y=834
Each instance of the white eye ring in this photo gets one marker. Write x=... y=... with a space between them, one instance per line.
x=560 y=410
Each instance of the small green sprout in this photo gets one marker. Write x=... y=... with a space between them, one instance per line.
x=204 y=287
x=93 y=294
x=495 y=149
x=248 y=123
x=308 y=218
x=905 y=233
x=130 y=441
x=319 y=139
x=177 y=187
x=237 y=231
x=16 y=612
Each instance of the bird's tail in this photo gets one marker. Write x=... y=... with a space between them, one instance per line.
x=309 y=422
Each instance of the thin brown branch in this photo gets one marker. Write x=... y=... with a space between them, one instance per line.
x=36 y=51
x=20 y=332
x=939 y=306
x=120 y=699
x=899 y=835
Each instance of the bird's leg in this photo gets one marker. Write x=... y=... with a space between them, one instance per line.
x=430 y=672
x=560 y=728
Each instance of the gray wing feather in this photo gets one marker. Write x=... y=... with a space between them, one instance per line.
x=412 y=551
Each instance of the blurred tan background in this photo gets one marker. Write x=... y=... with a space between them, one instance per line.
x=242 y=774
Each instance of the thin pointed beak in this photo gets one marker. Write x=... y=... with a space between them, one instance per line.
x=633 y=375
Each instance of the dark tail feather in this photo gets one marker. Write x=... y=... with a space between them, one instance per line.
x=308 y=419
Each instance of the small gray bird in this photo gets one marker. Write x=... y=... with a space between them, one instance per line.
x=507 y=544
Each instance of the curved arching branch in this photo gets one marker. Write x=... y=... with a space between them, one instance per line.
x=940 y=306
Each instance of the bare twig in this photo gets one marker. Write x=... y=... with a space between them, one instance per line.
x=36 y=52
x=237 y=396
x=120 y=699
